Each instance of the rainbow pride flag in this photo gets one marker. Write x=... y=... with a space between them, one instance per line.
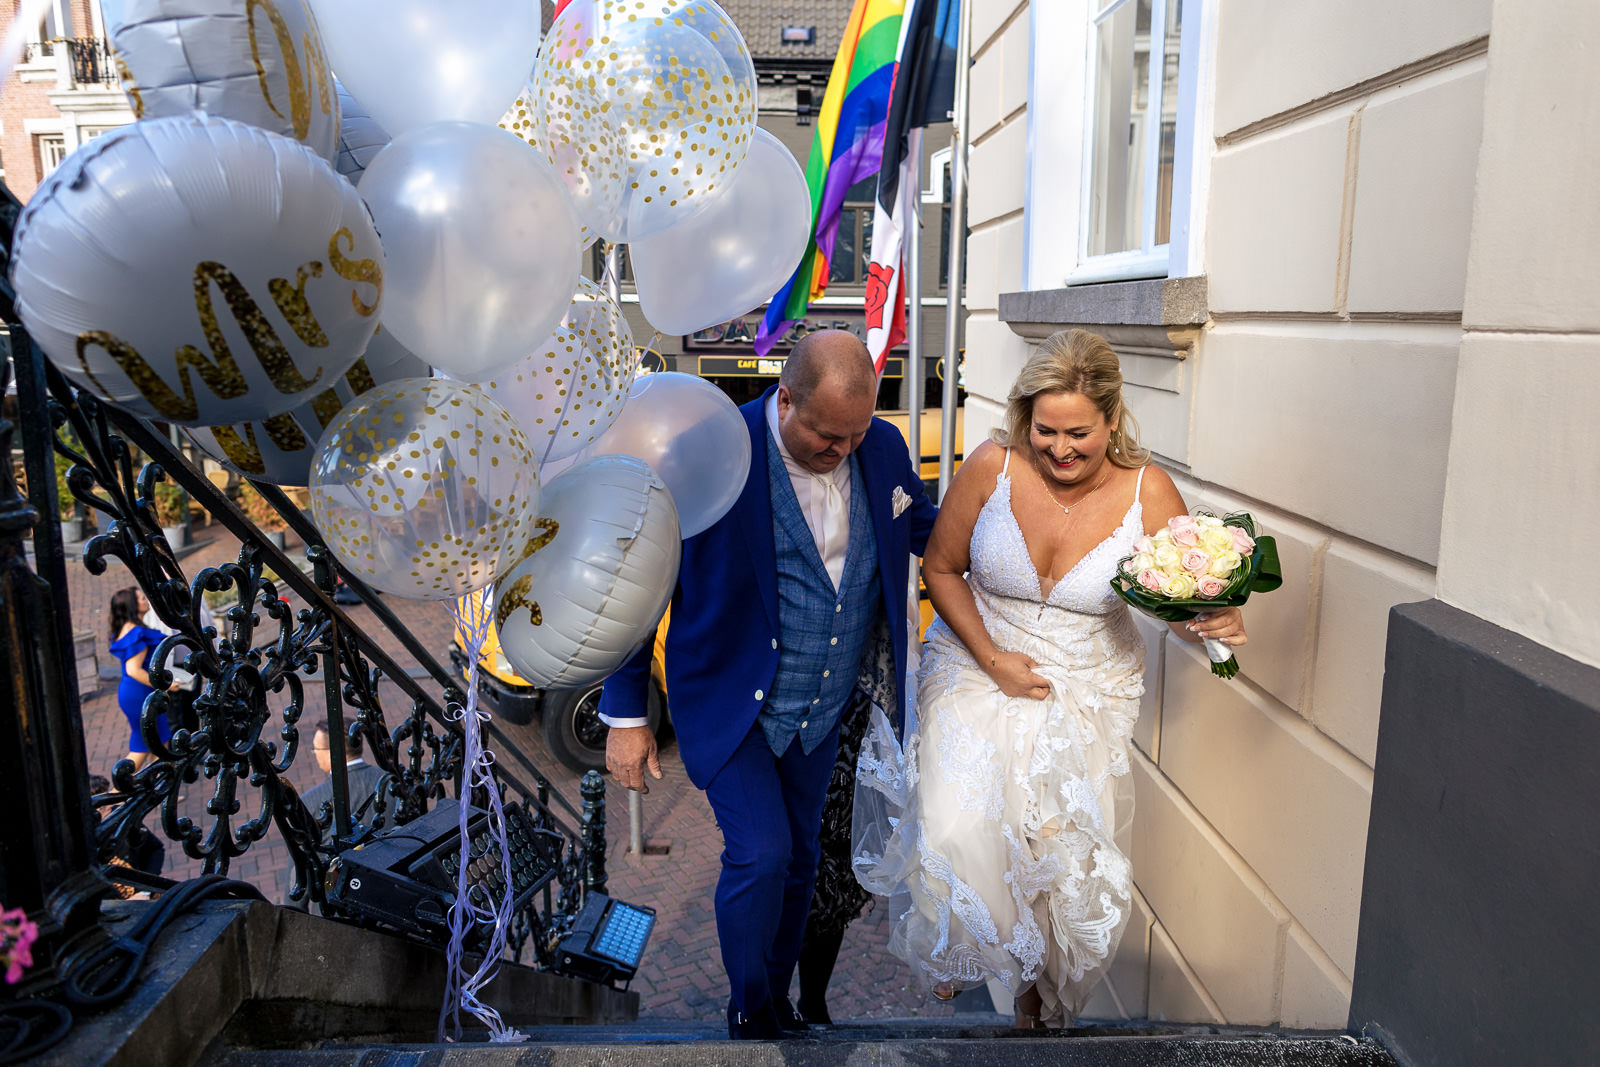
x=847 y=148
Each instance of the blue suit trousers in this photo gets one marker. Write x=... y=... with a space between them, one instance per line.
x=769 y=809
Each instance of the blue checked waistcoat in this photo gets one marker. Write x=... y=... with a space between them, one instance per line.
x=823 y=631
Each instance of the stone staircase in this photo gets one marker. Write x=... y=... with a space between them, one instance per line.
x=979 y=1041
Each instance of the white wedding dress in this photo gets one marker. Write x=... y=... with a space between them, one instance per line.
x=995 y=827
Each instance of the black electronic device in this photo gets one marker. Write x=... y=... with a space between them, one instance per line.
x=606 y=940
x=405 y=877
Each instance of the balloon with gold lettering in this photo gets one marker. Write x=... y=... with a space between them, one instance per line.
x=360 y=136
x=280 y=449
x=568 y=391
x=198 y=271
x=595 y=578
x=586 y=155
x=482 y=245
x=425 y=488
x=257 y=61
x=413 y=62
x=672 y=78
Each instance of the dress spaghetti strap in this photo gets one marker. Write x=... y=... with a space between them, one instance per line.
x=1007 y=464
x=1139 y=485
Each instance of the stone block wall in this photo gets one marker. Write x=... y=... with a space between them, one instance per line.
x=1341 y=173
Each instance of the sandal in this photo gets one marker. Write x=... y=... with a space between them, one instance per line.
x=1025 y=1010
x=944 y=991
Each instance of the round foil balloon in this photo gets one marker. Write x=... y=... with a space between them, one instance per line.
x=259 y=62
x=672 y=78
x=585 y=155
x=482 y=245
x=280 y=450
x=595 y=579
x=413 y=62
x=744 y=246
x=198 y=271
x=425 y=488
x=360 y=136
x=568 y=391
x=692 y=436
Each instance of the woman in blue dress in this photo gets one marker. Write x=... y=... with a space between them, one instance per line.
x=132 y=642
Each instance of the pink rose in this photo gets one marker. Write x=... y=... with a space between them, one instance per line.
x=1209 y=586
x=1151 y=580
x=1144 y=544
x=1243 y=543
x=1195 y=561
x=1185 y=531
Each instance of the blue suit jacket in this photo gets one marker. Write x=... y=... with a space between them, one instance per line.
x=722 y=644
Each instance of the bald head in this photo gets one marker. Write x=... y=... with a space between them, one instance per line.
x=825 y=399
x=835 y=356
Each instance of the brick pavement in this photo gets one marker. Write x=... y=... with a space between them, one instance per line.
x=681 y=976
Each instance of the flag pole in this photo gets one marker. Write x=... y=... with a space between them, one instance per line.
x=955 y=300
x=916 y=379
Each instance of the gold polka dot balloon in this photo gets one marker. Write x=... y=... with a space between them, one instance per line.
x=585 y=154
x=672 y=78
x=569 y=390
x=425 y=488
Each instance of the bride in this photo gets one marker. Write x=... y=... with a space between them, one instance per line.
x=997 y=822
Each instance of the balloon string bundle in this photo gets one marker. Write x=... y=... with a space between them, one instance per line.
x=473 y=905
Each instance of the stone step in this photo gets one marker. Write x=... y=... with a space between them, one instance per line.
x=979 y=1040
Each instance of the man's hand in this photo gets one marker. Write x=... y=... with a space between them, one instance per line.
x=629 y=750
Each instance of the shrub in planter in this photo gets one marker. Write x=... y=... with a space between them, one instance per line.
x=169 y=505
x=259 y=511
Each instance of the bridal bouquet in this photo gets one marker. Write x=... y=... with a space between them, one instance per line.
x=1197 y=563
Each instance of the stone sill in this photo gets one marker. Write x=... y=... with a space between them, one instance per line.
x=1176 y=306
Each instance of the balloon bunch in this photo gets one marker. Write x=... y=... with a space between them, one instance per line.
x=218 y=265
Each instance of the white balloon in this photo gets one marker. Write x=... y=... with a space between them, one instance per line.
x=260 y=62
x=569 y=390
x=413 y=62
x=596 y=579
x=744 y=245
x=482 y=245
x=692 y=436
x=198 y=271
x=280 y=450
x=360 y=136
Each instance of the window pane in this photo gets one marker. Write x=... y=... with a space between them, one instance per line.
x=1169 y=123
x=846 y=249
x=1121 y=97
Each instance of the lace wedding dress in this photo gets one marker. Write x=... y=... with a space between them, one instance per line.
x=996 y=825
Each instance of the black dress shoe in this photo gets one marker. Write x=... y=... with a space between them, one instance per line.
x=789 y=1020
x=760 y=1025
x=815 y=1014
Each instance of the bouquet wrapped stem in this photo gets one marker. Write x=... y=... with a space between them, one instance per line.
x=1198 y=563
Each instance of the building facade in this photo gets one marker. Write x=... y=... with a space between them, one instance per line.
x=1347 y=254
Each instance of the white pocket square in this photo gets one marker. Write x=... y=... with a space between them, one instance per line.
x=900 y=500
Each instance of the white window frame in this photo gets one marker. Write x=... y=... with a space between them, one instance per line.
x=1059 y=139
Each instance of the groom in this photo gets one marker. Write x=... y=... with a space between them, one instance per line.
x=773 y=610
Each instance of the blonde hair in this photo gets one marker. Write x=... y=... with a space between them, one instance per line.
x=1074 y=361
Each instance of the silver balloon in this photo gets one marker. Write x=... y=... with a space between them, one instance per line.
x=584 y=153
x=597 y=577
x=260 y=62
x=360 y=136
x=692 y=436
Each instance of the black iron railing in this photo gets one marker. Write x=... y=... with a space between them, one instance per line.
x=248 y=723
x=91 y=60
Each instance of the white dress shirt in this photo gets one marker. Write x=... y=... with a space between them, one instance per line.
x=824 y=501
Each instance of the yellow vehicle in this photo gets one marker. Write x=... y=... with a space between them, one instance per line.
x=569 y=718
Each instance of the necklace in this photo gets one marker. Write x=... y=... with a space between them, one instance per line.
x=1066 y=509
